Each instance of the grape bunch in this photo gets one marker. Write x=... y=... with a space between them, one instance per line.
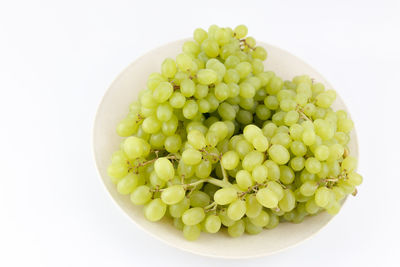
x=216 y=141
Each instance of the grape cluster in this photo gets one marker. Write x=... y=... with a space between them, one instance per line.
x=215 y=141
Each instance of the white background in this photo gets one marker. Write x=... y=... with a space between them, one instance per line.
x=57 y=58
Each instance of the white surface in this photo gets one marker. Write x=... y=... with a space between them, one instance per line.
x=113 y=108
x=56 y=61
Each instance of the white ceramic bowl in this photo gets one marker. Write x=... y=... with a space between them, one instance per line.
x=114 y=107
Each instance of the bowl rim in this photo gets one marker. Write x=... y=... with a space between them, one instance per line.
x=165 y=241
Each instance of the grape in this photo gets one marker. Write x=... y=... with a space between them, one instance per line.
x=225 y=196
x=219 y=141
x=191 y=156
x=237 y=229
x=279 y=154
x=267 y=198
x=173 y=194
x=155 y=210
x=191 y=232
x=236 y=209
x=164 y=169
x=176 y=210
x=230 y=160
x=199 y=199
x=127 y=184
x=212 y=224
x=261 y=220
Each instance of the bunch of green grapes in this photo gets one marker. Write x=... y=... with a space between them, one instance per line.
x=216 y=141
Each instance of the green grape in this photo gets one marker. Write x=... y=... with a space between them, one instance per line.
x=276 y=188
x=279 y=154
x=226 y=111
x=322 y=152
x=151 y=125
x=240 y=31
x=262 y=111
x=126 y=127
x=323 y=196
x=164 y=169
x=127 y=184
x=259 y=53
x=260 y=174
x=133 y=147
x=163 y=92
x=173 y=143
x=221 y=91
x=339 y=193
x=173 y=194
x=250 y=132
x=286 y=174
x=243 y=68
x=252 y=159
x=177 y=100
x=308 y=188
x=196 y=139
x=251 y=228
x=274 y=85
x=176 y=210
x=141 y=195
x=225 y=220
x=203 y=169
x=190 y=47
x=236 y=209
x=193 y=216
x=225 y=195
x=244 y=179
x=191 y=232
x=199 y=199
x=244 y=117
x=230 y=160
x=281 y=138
x=313 y=165
x=155 y=210
x=261 y=220
x=184 y=62
x=237 y=229
x=247 y=90
x=212 y=223
x=308 y=137
x=333 y=208
x=288 y=202
x=207 y=76
x=273 y=170
x=267 y=198
x=253 y=207
x=190 y=109
x=349 y=164
x=191 y=156
x=297 y=163
x=260 y=143
x=168 y=68
x=117 y=170
x=199 y=35
x=354 y=178
x=187 y=88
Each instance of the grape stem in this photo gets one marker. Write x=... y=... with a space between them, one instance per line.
x=210 y=180
x=302 y=114
x=211 y=207
x=224 y=175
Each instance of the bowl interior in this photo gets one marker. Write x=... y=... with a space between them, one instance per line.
x=115 y=106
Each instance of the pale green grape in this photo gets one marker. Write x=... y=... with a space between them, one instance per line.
x=251 y=228
x=261 y=220
x=240 y=31
x=193 y=216
x=236 y=209
x=273 y=170
x=155 y=210
x=141 y=195
x=173 y=194
x=313 y=165
x=177 y=100
x=286 y=174
x=288 y=202
x=176 y=210
x=354 y=178
x=191 y=232
x=173 y=143
x=349 y=164
x=162 y=92
x=267 y=198
x=199 y=199
x=260 y=174
x=133 y=147
x=323 y=196
x=252 y=159
x=203 y=169
x=297 y=163
x=260 y=143
x=212 y=224
x=117 y=170
x=225 y=195
x=230 y=160
x=168 y=68
x=164 y=169
x=187 y=87
x=279 y=154
x=237 y=229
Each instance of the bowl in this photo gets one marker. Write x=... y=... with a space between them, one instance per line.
x=115 y=105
